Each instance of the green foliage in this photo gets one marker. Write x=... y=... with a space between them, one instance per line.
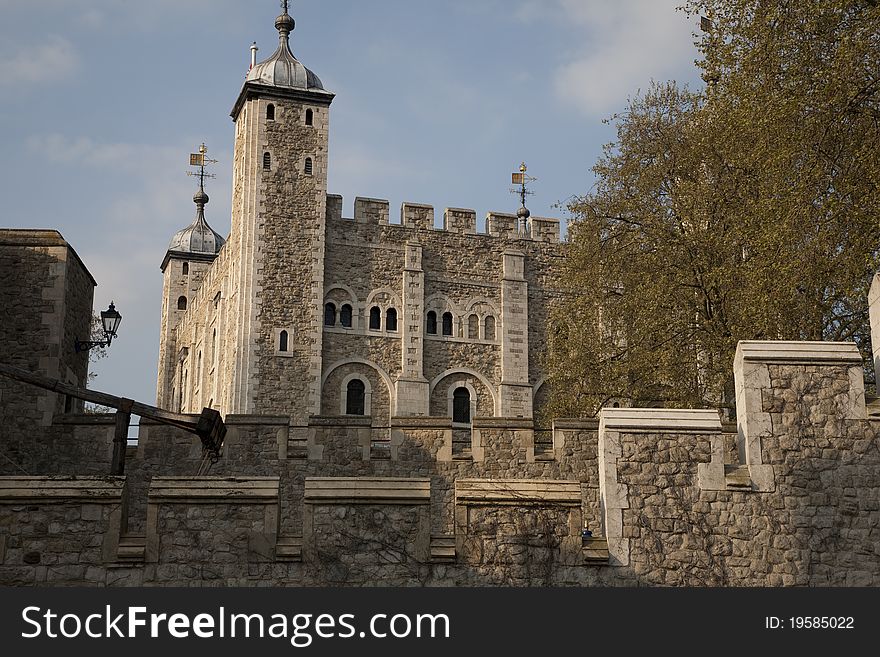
x=746 y=211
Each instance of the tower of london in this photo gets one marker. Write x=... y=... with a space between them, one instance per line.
x=305 y=312
x=378 y=393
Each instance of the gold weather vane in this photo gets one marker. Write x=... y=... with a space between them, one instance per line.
x=201 y=160
x=522 y=179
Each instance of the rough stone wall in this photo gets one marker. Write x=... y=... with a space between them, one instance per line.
x=46 y=295
x=647 y=483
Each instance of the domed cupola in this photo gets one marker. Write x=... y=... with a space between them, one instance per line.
x=282 y=69
x=282 y=72
x=197 y=241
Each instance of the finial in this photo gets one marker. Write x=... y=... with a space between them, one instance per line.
x=254 y=50
x=284 y=23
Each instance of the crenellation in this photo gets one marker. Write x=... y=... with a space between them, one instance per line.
x=334 y=207
x=371 y=211
x=501 y=225
x=545 y=229
x=417 y=215
x=457 y=220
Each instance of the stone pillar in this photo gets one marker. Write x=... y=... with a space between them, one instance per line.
x=874 y=314
x=412 y=386
x=516 y=393
x=759 y=369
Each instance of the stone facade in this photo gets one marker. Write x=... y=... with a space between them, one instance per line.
x=338 y=349
x=665 y=492
x=46 y=295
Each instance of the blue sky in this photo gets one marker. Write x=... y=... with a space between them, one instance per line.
x=101 y=101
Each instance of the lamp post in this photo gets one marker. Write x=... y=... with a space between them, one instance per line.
x=110 y=320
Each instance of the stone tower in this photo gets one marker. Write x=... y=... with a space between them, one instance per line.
x=189 y=256
x=277 y=239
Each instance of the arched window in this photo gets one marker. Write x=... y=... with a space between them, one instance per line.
x=267 y=161
x=489 y=328
x=270 y=112
x=181 y=303
x=310 y=117
x=431 y=323
x=345 y=316
x=355 y=398
x=461 y=406
x=473 y=327
x=283 y=338
x=375 y=318
x=391 y=319
x=330 y=315
x=308 y=167
x=447 y=323
x=185 y=268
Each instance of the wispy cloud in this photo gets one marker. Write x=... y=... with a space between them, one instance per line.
x=626 y=44
x=56 y=59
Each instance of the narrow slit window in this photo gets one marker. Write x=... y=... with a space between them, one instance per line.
x=310 y=117
x=330 y=315
x=283 y=338
x=447 y=323
x=267 y=162
x=270 y=112
x=345 y=316
x=181 y=303
x=186 y=269
x=375 y=318
x=431 y=323
x=308 y=167
x=473 y=327
x=391 y=319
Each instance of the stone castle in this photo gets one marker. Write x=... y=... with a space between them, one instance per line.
x=306 y=313
x=381 y=386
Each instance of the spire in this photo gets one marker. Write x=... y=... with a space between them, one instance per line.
x=285 y=25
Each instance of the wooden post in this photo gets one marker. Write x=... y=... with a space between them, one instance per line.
x=120 y=437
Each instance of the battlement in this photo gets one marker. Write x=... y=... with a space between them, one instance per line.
x=667 y=497
x=462 y=221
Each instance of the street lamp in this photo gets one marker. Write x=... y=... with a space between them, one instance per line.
x=110 y=320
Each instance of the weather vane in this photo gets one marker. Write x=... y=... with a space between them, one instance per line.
x=200 y=160
x=523 y=179
x=284 y=5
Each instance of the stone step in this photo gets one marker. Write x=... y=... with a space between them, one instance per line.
x=288 y=548
x=737 y=477
x=443 y=549
x=132 y=548
x=595 y=550
x=297 y=449
x=380 y=451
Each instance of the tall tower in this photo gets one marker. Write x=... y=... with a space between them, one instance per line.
x=189 y=256
x=278 y=232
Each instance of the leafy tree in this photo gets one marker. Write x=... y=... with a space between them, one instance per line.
x=744 y=211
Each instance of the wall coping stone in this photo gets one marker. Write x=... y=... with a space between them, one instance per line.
x=798 y=352
x=517 y=491
x=364 y=490
x=16 y=490
x=659 y=419
x=210 y=490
